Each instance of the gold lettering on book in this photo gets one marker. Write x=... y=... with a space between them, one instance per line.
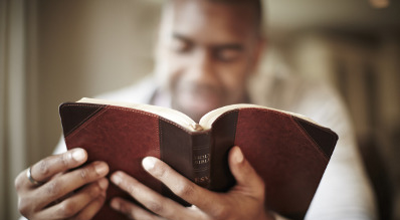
x=201 y=159
x=201 y=179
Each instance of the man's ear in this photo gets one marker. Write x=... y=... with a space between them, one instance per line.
x=259 y=50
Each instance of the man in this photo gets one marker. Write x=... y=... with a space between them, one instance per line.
x=207 y=51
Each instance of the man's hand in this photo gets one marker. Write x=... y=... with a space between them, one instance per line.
x=61 y=193
x=244 y=201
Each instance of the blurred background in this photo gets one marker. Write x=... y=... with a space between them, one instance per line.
x=57 y=51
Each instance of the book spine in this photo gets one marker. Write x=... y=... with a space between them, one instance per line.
x=201 y=158
x=186 y=152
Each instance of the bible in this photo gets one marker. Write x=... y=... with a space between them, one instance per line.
x=289 y=151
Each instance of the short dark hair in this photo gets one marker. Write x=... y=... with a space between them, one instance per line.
x=255 y=4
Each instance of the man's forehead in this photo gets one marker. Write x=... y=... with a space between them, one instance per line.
x=226 y=20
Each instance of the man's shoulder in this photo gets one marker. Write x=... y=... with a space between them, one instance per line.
x=282 y=91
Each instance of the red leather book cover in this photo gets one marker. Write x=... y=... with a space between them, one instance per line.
x=294 y=160
x=288 y=152
x=121 y=138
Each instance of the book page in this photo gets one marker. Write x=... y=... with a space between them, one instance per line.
x=208 y=119
x=180 y=118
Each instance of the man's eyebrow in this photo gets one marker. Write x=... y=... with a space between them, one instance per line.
x=230 y=46
x=180 y=37
x=222 y=46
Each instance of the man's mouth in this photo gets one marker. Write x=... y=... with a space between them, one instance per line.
x=198 y=102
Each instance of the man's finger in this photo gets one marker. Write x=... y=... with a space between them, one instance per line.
x=48 y=167
x=247 y=179
x=147 y=197
x=60 y=186
x=92 y=208
x=77 y=202
x=205 y=200
x=131 y=210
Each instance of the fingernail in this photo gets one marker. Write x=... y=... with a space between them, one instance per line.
x=101 y=168
x=115 y=204
x=78 y=154
x=148 y=163
x=116 y=178
x=103 y=183
x=238 y=155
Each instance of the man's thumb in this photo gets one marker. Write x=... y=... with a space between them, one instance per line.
x=243 y=172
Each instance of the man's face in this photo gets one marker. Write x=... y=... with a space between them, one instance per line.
x=206 y=53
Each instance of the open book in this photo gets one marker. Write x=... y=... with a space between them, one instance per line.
x=289 y=151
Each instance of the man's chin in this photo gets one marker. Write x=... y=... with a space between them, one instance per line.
x=195 y=111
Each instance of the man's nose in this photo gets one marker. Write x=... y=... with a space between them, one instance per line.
x=202 y=66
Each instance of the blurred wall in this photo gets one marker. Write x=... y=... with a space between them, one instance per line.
x=85 y=48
